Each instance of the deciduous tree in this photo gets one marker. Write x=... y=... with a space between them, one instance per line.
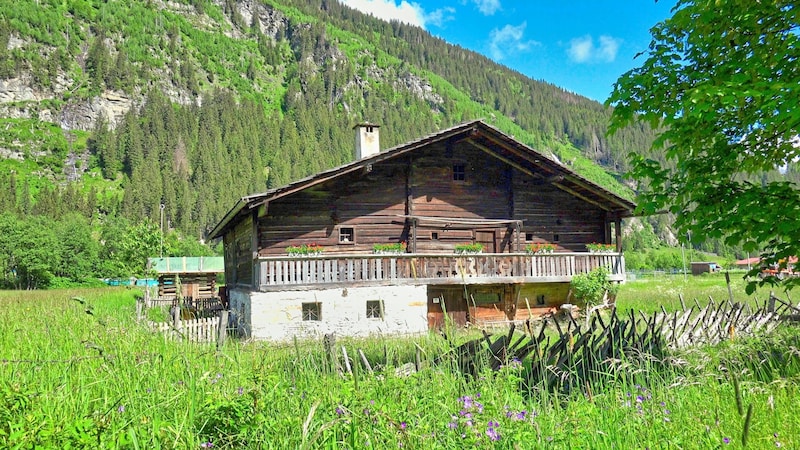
x=721 y=80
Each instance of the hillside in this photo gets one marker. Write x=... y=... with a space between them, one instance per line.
x=117 y=107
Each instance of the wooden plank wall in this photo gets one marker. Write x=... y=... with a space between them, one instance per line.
x=548 y=211
x=242 y=252
x=372 y=202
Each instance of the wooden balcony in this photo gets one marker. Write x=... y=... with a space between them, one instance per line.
x=279 y=273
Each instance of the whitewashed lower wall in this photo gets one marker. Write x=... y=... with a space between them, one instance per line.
x=278 y=316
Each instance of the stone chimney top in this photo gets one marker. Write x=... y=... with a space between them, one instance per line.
x=367 y=140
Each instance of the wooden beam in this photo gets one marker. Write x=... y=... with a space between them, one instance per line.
x=580 y=196
x=511 y=163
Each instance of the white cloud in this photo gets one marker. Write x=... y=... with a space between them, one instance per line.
x=487 y=7
x=509 y=40
x=440 y=16
x=583 y=49
x=410 y=13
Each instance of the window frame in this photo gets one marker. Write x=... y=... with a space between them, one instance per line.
x=343 y=234
x=374 y=306
x=459 y=172
x=312 y=311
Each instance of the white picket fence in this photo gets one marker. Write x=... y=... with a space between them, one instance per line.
x=208 y=329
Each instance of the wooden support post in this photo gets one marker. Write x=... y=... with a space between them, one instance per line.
x=176 y=316
x=222 y=330
x=728 y=282
x=139 y=307
x=329 y=344
x=365 y=361
x=346 y=360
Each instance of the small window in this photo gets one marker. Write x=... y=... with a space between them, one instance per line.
x=312 y=311
x=540 y=299
x=435 y=235
x=555 y=238
x=459 y=172
x=374 y=309
x=347 y=235
x=529 y=236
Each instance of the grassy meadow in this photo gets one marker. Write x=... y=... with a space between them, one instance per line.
x=86 y=375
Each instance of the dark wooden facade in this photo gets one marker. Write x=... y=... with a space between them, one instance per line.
x=467 y=184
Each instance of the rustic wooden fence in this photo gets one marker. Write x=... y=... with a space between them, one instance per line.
x=580 y=355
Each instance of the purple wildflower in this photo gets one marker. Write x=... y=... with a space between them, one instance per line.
x=726 y=440
x=492 y=432
x=339 y=411
x=521 y=415
x=240 y=391
x=121 y=409
x=452 y=425
x=403 y=425
x=208 y=444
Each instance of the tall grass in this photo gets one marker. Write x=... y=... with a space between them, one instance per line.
x=81 y=373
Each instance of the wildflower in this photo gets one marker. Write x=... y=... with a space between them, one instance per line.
x=403 y=425
x=339 y=411
x=452 y=425
x=208 y=444
x=521 y=415
x=121 y=409
x=492 y=432
x=240 y=391
x=726 y=440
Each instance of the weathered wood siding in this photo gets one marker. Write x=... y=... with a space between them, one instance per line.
x=484 y=193
x=371 y=202
x=239 y=254
x=549 y=213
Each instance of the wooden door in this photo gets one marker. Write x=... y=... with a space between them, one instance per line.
x=446 y=301
x=488 y=239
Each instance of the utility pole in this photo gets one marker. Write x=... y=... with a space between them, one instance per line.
x=161 y=249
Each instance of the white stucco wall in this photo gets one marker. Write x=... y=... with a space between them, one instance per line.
x=278 y=316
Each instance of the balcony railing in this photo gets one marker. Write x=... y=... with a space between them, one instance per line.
x=486 y=268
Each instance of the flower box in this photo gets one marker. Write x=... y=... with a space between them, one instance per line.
x=394 y=248
x=468 y=248
x=305 y=250
x=595 y=247
x=539 y=248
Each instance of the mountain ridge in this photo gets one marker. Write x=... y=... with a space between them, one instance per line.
x=312 y=67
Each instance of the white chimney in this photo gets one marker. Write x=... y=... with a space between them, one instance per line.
x=367 y=140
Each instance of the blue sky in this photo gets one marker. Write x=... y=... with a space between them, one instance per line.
x=581 y=46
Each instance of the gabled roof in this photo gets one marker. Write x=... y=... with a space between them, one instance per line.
x=478 y=133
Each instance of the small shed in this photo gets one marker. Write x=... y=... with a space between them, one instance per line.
x=699 y=268
x=195 y=275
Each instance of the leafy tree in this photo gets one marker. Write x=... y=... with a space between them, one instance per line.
x=720 y=82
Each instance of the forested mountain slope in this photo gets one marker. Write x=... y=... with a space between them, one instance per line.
x=118 y=107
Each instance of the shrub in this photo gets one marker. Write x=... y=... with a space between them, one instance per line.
x=590 y=287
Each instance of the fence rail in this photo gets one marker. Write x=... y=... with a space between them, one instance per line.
x=434 y=268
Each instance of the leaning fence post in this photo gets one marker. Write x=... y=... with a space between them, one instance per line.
x=222 y=331
x=771 y=306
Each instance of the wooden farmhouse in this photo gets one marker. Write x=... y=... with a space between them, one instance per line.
x=386 y=244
